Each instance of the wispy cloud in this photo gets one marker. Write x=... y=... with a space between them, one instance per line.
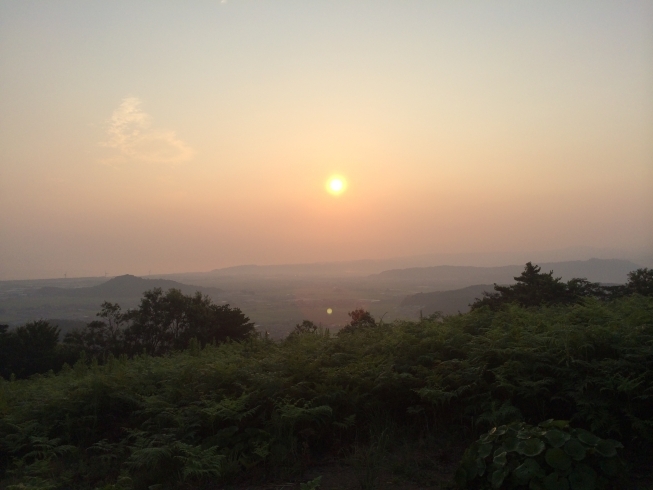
x=133 y=140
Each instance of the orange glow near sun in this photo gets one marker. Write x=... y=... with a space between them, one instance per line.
x=336 y=185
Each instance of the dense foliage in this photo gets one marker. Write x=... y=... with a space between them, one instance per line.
x=359 y=319
x=29 y=349
x=162 y=323
x=267 y=407
x=535 y=288
x=551 y=456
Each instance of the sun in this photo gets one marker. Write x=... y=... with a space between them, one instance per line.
x=336 y=185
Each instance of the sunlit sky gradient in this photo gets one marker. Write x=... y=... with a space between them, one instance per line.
x=179 y=136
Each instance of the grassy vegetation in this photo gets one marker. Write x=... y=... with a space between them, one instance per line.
x=262 y=410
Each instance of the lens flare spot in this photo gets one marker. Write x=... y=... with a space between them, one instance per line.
x=329 y=311
x=336 y=185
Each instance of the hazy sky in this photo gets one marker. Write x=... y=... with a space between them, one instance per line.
x=177 y=136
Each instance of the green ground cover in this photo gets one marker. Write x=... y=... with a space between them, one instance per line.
x=260 y=410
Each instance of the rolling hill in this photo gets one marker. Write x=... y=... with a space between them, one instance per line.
x=125 y=286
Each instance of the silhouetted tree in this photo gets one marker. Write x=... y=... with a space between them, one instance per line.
x=535 y=288
x=640 y=281
x=306 y=327
x=100 y=337
x=151 y=324
x=211 y=323
x=163 y=322
x=360 y=318
x=582 y=288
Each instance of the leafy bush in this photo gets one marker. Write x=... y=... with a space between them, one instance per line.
x=551 y=456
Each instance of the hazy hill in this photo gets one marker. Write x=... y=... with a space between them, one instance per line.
x=125 y=286
x=447 y=302
x=322 y=269
x=596 y=270
x=23 y=302
x=365 y=267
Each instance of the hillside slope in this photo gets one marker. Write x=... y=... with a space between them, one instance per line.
x=595 y=270
x=125 y=286
x=447 y=302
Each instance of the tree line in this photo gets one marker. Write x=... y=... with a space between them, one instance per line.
x=162 y=323
x=536 y=288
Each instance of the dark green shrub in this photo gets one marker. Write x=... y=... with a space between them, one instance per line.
x=551 y=456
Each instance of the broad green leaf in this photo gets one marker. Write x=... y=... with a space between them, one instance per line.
x=498 y=476
x=499 y=450
x=557 y=459
x=500 y=459
x=510 y=443
x=487 y=438
x=525 y=434
x=511 y=431
x=531 y=447
x=586 y=437
x=575 y=449
x=608 y=447
x=484 y=450
x=480 y=465
x=527 y=470
x=556 y=437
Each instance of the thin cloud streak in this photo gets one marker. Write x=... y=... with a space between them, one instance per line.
x=133 y=139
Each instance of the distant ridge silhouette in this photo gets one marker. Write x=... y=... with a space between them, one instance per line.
x=126 y=286
x=596 y=270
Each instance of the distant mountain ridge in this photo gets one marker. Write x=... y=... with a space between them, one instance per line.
x=125 y=286
x=595 y=270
